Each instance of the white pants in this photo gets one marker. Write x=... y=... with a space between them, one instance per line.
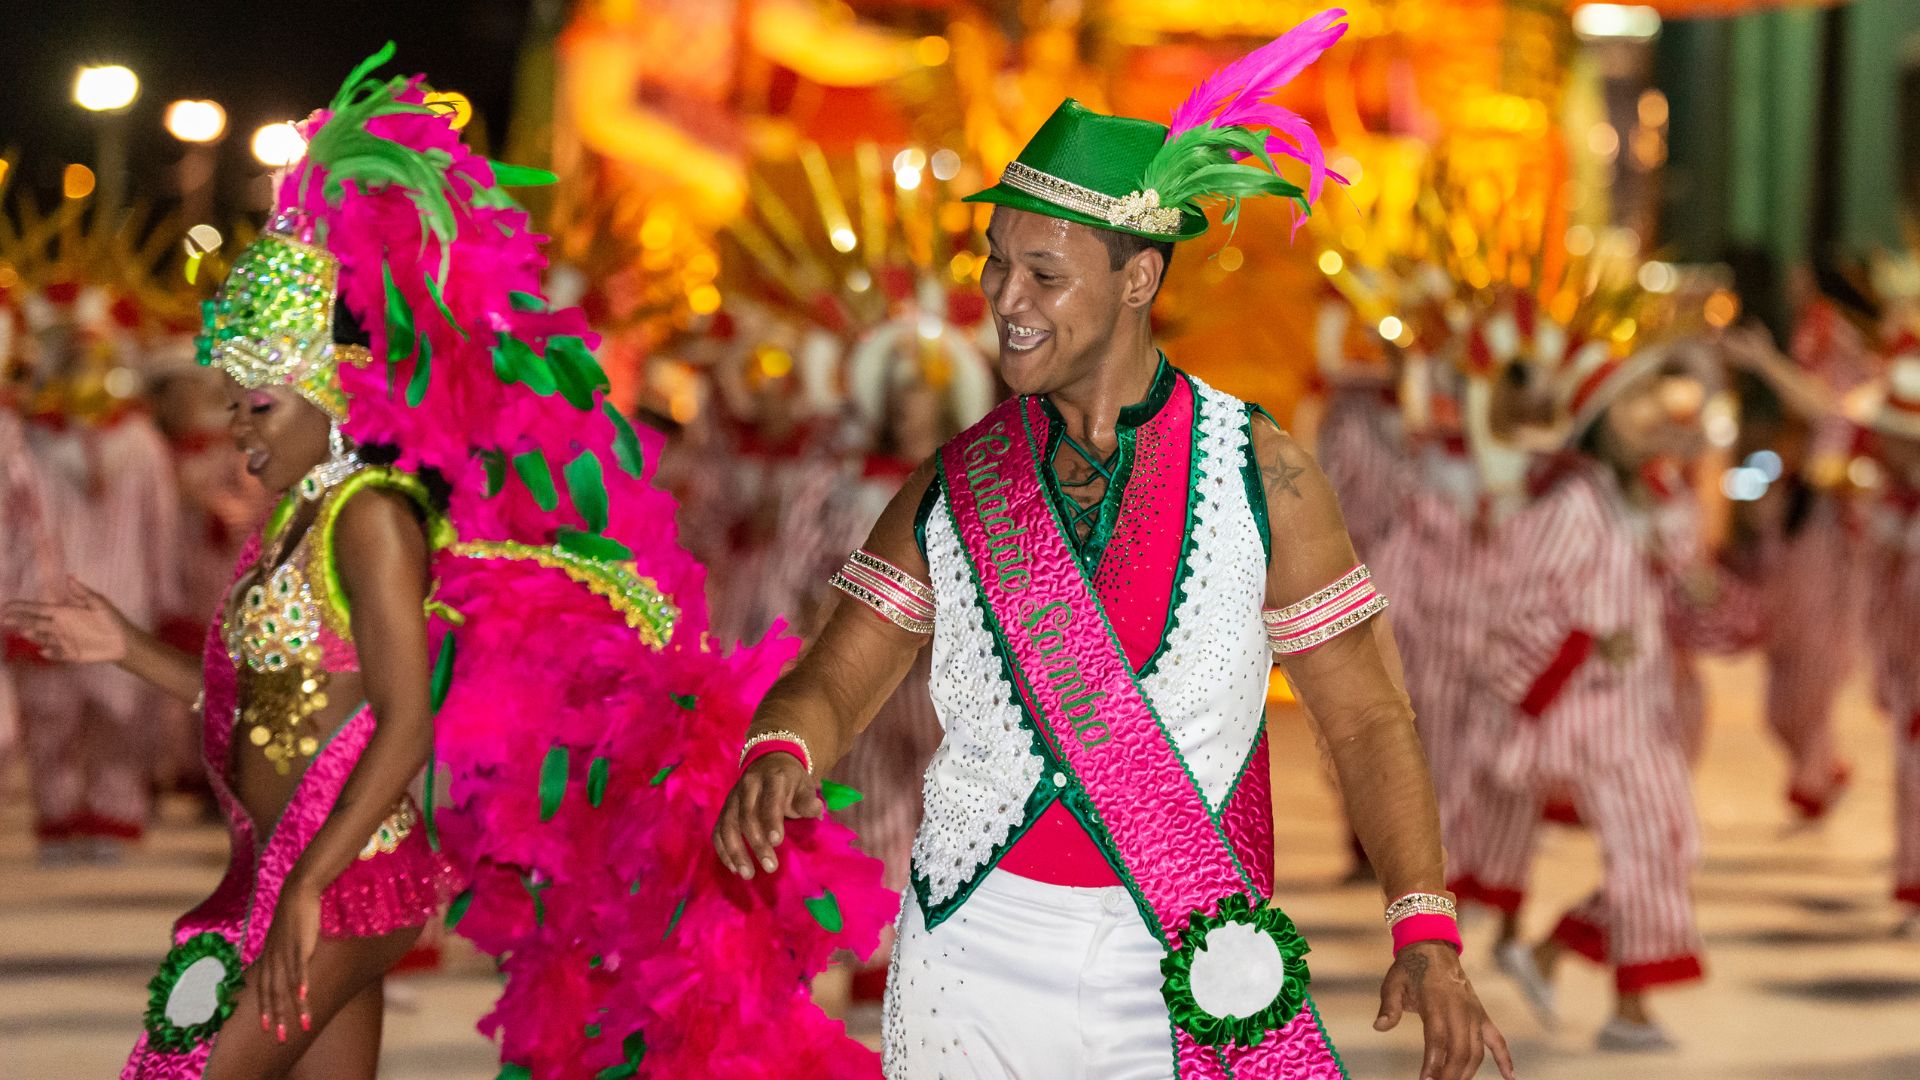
x=1028 y=981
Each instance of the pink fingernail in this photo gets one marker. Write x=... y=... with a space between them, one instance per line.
x=266 y=1022
x=306 y=1022
x=283 y=1032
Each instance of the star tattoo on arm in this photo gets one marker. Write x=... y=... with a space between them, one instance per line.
x=1279 y=476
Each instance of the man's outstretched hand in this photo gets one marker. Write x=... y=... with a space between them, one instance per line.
x=1426 y=978
x=753 y=820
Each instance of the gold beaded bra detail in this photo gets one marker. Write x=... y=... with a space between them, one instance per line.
x=278 y=636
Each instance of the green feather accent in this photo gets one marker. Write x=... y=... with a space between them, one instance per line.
x=514 y=361
x=593 y=546
x=349 y=152
x=553 y=781
x=507 y=175
x=688 y=702
x=539 y=902
x=442 y=673
x=496 y=466
x=457 y=910
x=635 y=1047
x=422 y=374
x=511 y=1071
x=661 y=776
x=526 y=301
x=825 y=910
x=401 y=337
x=440 y=301
x=626 y=445
x=675 y=920
x=577 y=373
x=537 y=475
x=838 y=796
x=597 y=776
x=587 y=487
x=1197 y=166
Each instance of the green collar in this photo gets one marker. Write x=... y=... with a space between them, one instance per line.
x=1138 y=413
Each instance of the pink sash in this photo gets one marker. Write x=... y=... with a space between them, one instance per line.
x=1078 y=689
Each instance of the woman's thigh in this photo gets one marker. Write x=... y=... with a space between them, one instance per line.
x=342 y=970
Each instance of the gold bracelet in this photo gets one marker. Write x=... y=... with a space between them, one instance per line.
x=806 y=752
x=1420 y=903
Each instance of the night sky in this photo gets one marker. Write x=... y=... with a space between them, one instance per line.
x=263 y=61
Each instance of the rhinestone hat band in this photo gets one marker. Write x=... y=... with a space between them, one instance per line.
x=1140 y=210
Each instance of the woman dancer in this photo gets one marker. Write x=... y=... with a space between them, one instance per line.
x=409 y=604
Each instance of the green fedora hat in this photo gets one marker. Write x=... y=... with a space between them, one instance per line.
x=1088 y=167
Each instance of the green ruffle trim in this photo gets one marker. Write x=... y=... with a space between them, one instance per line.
x=1177 y=968
x=163 y=1033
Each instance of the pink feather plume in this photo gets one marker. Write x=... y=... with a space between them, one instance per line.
x=1232 y=96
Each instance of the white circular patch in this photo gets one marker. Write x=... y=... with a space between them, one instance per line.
x=196 y=994
x=1240 y=971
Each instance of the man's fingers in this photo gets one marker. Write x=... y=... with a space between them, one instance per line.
x=753 y=821
x=1497 y=1043
x=1465 y=1050
x=1392 y=1002
x=733 y=845
x=1433 y=1066
x=806 y=802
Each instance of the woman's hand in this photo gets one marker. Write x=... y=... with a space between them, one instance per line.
x=280 y=972
x=83 y=629
x=753 y=821
x=1426 y=979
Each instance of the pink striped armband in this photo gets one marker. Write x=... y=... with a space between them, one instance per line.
x=890 y=591
x=1415 y=929
x=1325 y=615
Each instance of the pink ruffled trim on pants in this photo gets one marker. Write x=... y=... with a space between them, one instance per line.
x=392 y=891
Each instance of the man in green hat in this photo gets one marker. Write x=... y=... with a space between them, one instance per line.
x=1106 y=567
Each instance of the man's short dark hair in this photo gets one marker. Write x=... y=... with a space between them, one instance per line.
x=1122 y=246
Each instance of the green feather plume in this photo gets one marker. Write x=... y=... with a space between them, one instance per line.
x=1200 y=166
x=348 y=151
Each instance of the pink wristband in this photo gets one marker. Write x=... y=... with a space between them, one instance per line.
x=776 y=746
x=1417 y=928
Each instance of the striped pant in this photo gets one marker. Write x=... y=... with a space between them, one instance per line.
x=88 y=749
x=1811 y=588
x=1906 y=807
x=1641 y=919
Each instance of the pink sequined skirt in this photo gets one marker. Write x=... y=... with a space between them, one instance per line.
x=393 y=890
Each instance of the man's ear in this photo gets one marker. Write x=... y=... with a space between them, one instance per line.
x=1143 y=273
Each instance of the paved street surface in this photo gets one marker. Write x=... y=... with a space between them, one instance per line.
x=1805 y=980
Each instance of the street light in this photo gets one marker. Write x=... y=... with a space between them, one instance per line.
x=196 y=121
x=198 y=124
x=105 y=88
x=278 y=145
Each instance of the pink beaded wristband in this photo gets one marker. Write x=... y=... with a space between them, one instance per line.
x=762 y=747
x=1418 y=928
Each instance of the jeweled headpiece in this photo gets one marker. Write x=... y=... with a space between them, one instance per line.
x=271 y=324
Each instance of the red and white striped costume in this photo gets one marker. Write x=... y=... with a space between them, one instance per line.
x=1584 y=583
x=29 y=563
x=1362 y=450
x=1440 y=564
x=1809 y=574
x=1894 y=635
x=114 y=508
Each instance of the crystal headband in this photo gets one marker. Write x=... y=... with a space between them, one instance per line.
x=1140 y=210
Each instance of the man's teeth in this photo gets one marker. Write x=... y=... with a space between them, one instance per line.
x=1023 y=338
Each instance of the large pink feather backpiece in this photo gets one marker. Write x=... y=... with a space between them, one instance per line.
x=582 y=769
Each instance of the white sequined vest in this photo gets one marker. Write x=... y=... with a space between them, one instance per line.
x=988 y=779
